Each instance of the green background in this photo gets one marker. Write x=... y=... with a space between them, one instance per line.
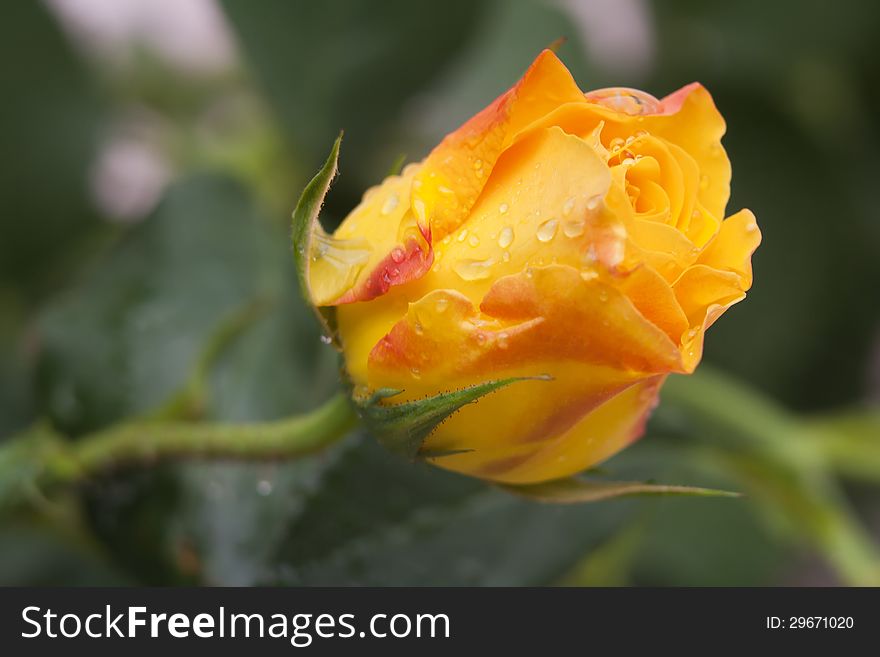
x=104 y=312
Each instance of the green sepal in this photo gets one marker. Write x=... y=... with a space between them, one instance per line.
x=402 y=428
x=304 y=226
x=573 y=490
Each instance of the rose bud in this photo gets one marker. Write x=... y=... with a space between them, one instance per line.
x=576 y=237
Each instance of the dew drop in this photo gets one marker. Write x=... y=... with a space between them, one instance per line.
x=441 y=305
x=591 y=256
x=505 y=237
x=326 y=339
x=418 y=328
x=506 y=256
x=416 y=374
x=473 y=270
x=478 y=164
x=616 y=144
x=462 y=236
x=473 y=240
x=751 y=228
x=502 y=340
x=594 y=202
x=419 y=209
x=443 y=189
x=574 y=228
x=398 y=254
x=390 y=204
x=603 y=295
x=704 y=182
x=503 y=208
x=568 y=207
x=547 y=230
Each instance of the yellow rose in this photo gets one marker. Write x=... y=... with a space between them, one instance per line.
x=556 y=232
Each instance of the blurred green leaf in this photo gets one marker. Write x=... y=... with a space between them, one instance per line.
x=51 y=117
x=34 y=554
x=377 y=520
x=349 y=65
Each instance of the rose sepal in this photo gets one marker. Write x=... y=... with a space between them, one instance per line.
x=403 y=427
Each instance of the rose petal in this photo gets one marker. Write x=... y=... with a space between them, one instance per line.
x=455 y=172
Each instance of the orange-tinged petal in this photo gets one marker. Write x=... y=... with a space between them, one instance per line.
x=380 y=244
x=663 y=247
x=701 y=286
x=687 y=118
x=733 y=246
x=455 y=172
x=690 y=120
x=588 y=319
x=653 y=297
x=545 y=315
x=593 y=437
x=549 y=321
x=542 y=204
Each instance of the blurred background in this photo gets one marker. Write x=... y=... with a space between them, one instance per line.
x=151 y=152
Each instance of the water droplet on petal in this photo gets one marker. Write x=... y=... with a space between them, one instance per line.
x=568 y=207
x=603 y=295
x=326 y=339
x=462 y=236
x=418 y=328
x=573 y=228
x=626 y=101
x=547 y=230
x=505 y=256
x=419 y=209
x=473 y=270
x=594 y=202
x=398 y=254
x=416 y=374
x=502 y=340
x=503 y=208
x=390 y=204
x=441 y=305
x=704 y=182
x=505 y=237
x=474 y=240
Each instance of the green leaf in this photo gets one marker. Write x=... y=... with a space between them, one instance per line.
x=850 y=442
x=402 y=428
x=377 y=520
x=121 y=341
x=573 y=490
x=351 y=64
x=306 y=227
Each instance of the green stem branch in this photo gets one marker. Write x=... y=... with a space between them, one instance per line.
x=44 y=459
x=792 y=474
